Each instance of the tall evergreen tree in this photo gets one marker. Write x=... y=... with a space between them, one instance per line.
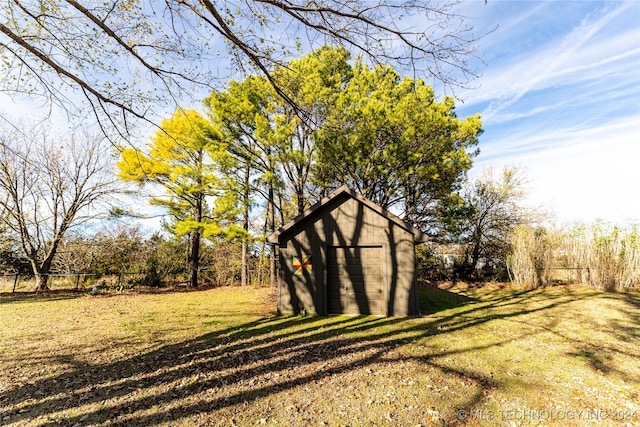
x=188 y=159
x=391 y=140
x=272 y=141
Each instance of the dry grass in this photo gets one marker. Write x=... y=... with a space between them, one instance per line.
x=482 y=356
x=603 y=256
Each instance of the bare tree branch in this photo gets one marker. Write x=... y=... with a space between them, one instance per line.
x=135 y=60
x=48 y=186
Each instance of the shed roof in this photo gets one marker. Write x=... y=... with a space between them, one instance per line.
x=344 y=192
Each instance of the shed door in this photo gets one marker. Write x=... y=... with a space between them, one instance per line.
x=354 y=280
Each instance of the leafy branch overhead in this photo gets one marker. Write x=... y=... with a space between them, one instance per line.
x=152 y=54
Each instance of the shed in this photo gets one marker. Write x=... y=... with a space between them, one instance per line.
x=347 y=255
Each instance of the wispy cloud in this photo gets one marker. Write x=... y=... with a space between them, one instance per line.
x=567 y=59
x=563 y=102
x=580 y=173
x=565 y=141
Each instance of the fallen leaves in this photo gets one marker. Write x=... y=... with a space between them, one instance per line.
x=239 y=368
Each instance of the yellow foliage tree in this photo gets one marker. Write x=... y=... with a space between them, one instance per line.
x=188 y=159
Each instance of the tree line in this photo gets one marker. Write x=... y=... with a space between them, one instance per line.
x=252 y=160
x=249 y=161
x=384 y=135
x=246 y=152
x=144 y=259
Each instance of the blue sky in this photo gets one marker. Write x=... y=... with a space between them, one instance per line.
x=559 y=94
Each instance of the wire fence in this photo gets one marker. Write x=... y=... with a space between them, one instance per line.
x=74 y=281
x=12 y=283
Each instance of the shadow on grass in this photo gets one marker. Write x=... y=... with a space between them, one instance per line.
x=625 y=328
x=433 y=299
x=244 y=363
x=597 y=358
x=64 y=294
x=18 y=297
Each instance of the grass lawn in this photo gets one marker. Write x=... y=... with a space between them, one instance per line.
x=557 y=356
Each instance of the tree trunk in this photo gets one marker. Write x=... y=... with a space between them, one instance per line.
x=259 y=278
x=261 y=259
x=244 y=273
x=272 y=266
x=41 y=282
x=41 y=271
x=272 y=248
x=194 y=236
x=193 y=259
x=475 y=256
x=410 y=205
x=300 y=197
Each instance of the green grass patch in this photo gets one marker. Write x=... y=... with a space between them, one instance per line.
x=486 y=356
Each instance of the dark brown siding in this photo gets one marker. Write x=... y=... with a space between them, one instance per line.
x=362 y=263
x=355 y=281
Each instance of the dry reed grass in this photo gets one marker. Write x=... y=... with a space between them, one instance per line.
x=602 y=256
